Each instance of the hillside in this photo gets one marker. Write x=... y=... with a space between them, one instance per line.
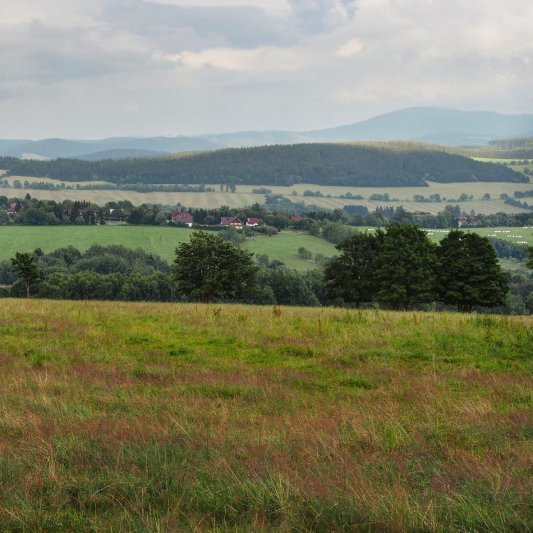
x=427 y=124
x=356 y=164
x=519 y=148
x=433 y=125
x=130 y=417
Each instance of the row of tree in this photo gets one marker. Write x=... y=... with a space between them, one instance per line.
x=30 y=211
x=396 y=268
x=400 y=267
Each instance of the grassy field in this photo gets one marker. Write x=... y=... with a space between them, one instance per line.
x=138 y=417
x=330 y=199
x=163 y=241
x=31 y=179
x=515 y=235
x=155 y=239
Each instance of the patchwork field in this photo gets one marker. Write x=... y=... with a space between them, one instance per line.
x=155 y=239
x=330 y=199
x=137 y=417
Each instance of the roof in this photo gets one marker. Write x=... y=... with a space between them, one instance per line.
x=182 y=216
x=226 y=221
x=253 y=220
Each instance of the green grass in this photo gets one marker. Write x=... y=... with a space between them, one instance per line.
x=158 y=240
x=146 y=417
x=515 y=235
x=284 y=247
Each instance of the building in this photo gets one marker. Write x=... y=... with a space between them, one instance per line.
x=231 y=222
x=182 y=217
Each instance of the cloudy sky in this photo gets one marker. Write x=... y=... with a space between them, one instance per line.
x=97 y=68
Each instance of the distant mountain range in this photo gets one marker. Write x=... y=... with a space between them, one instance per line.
x=422 y=124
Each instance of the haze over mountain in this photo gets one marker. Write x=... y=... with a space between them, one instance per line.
x=423 y=124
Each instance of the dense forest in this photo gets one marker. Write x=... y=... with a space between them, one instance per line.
x=383 y=164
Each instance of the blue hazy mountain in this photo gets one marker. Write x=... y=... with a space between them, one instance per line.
x=422 y=124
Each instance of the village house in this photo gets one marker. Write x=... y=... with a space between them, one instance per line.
x=14 y=209
x=91 y=214
x=231 y=222
x=253 y=222
x=461 y=221
x=182 y=217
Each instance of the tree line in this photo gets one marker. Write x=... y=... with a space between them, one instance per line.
x=30 y=211
x=396 y=268
x=321 y=164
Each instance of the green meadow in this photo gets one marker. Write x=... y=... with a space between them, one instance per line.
x=160 y=417
x=155 y=239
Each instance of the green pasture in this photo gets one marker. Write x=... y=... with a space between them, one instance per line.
x=515 y=235
x=217 y=418
x=155 y=239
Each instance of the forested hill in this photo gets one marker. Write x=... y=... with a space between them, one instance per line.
x=370 y=164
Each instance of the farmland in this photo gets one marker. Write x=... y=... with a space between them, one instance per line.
x=231 y=418
x=155 y=239
x=330 y=199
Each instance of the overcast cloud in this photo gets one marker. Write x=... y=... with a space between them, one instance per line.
x=96 y=68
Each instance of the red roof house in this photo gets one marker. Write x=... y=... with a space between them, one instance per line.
x=234 y=222
x=182 y=217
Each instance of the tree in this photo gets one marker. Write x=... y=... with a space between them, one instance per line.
x=530 y=261
x=210 y=268
x=468 y=272
x=24 y=265
x=404 y=267
x=349 y=276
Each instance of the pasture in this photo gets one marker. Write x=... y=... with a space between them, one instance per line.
x=515 y=235
x=156 y=417
x=155 y=239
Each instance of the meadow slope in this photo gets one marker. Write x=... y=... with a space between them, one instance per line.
x=231 y=418
x=154 y=239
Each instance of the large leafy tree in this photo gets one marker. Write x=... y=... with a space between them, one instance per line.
x=27 y=270
x=469 y=273
x=404 y=267
x=207 y=268
x=350 y=275
x=530 y=261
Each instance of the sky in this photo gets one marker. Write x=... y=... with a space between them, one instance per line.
x=100 y=68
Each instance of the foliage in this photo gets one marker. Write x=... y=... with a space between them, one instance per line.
x=350 y=276
x=210 y=268
x=404 y=267
x=327 y=164
x=469 y=274
x=26 y=269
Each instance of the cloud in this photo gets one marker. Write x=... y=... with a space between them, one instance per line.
x=154 y=66
x=350 y=48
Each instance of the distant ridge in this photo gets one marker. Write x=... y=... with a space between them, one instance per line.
x=422 y=124
x=119 y=154
x=377 y=164
x=434 y=125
